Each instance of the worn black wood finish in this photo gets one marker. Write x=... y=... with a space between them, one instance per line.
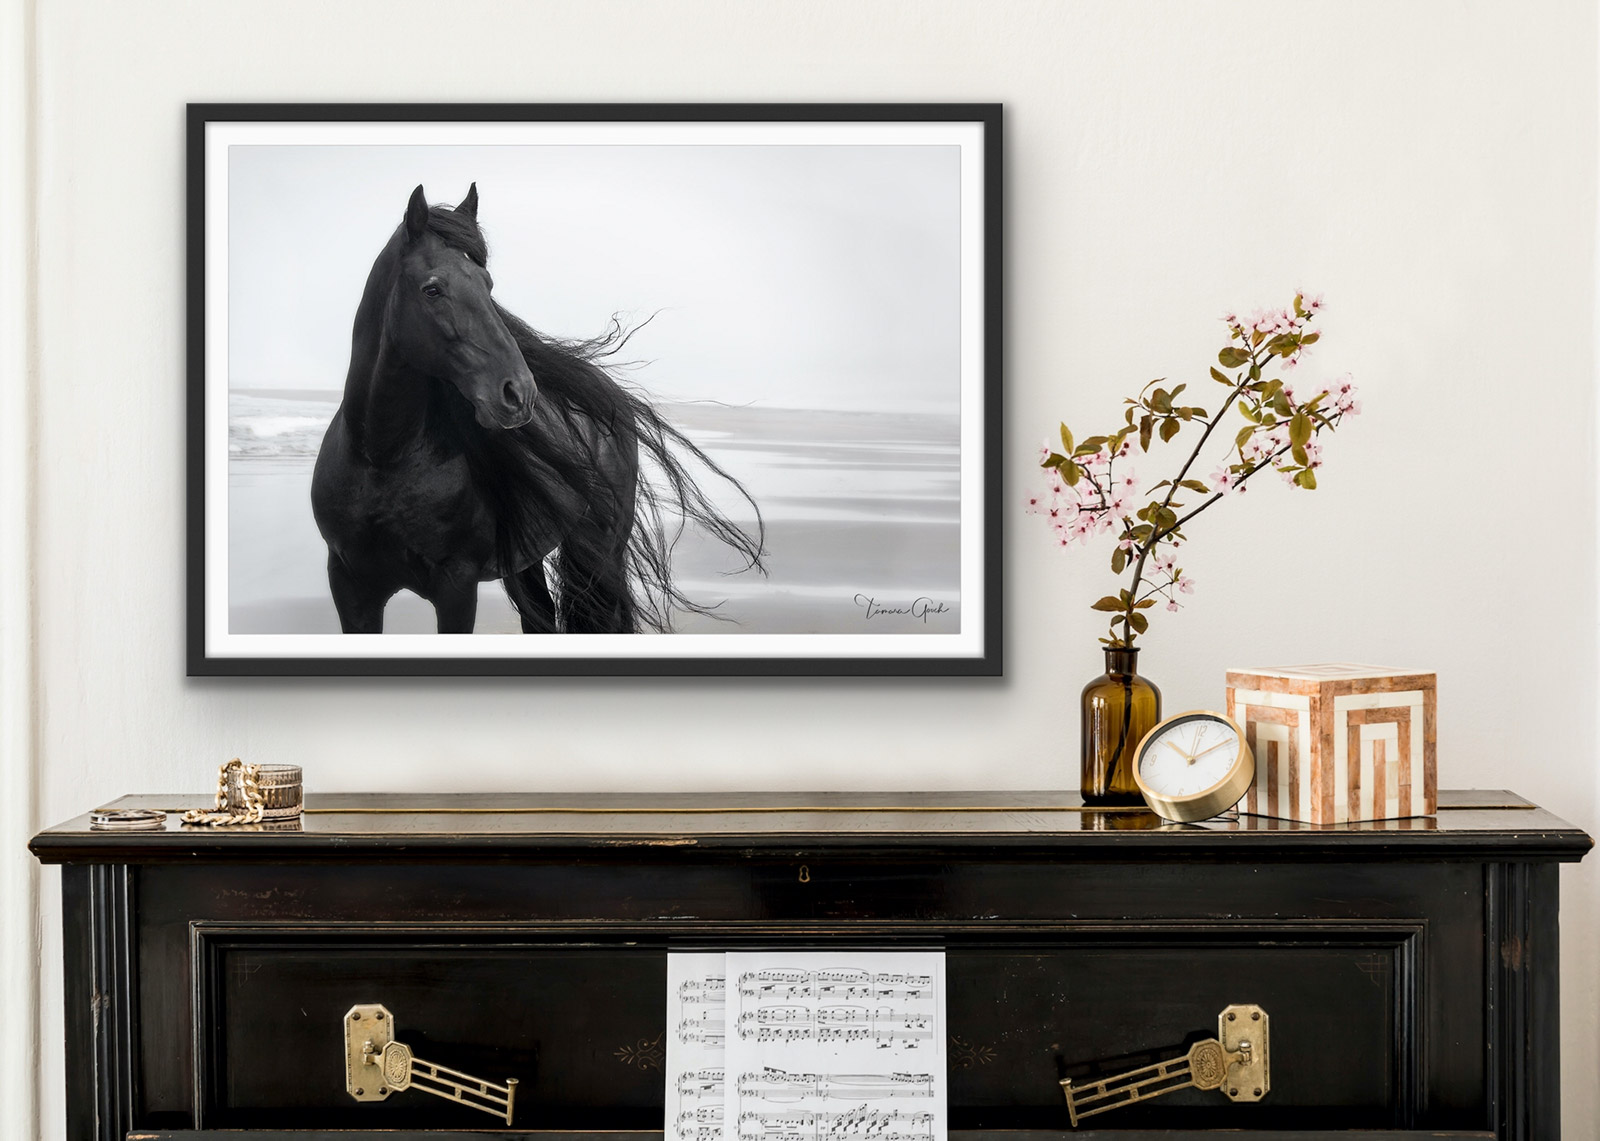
x=1409 y=968
x=956 y=1135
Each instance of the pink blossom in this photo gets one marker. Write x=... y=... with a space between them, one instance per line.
x=1064 y=540
x=1165 y=561
x=1224 y=480
x=1035 y=503
x=1044 y=452
x=1186 y=584
x=1310 y=302
x=1172 y=604
x=1126 y=544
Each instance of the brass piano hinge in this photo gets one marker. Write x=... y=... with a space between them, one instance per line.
x=1235 y=1062
x=375 y=1065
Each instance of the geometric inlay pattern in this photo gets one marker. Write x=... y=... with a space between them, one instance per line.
x=1338 y=742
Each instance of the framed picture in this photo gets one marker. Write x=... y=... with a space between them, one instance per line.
x=598 y=389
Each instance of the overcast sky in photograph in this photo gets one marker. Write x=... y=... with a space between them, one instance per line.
x=784 y=276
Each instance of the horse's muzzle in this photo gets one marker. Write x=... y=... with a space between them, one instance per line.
x=511 y=407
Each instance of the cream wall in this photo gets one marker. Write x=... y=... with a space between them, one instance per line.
x=1430 y=166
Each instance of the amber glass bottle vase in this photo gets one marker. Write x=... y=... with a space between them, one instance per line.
x=1119 y=708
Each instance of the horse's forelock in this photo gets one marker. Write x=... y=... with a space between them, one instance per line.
x=458 y=231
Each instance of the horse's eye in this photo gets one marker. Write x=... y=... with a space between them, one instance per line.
x=432 y=290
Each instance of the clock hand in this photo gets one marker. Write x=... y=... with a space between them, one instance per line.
x=1181 y=753
x=1214 y=748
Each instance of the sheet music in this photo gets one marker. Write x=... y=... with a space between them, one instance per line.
x=695 y=1029
x=823 y=1045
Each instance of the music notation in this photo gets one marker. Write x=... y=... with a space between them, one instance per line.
x=807 y=1125
x=883 y=1026
x=806 y=1046
x=845 y=984
x=780 y=1085
x=835 y=1045
x=696 y=1021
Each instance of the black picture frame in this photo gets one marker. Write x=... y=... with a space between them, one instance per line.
x=215 y=644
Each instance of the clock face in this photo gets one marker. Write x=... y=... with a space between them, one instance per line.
x=1189 y=756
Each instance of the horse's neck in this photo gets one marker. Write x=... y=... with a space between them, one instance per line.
x=387 y=408
x=385 y=401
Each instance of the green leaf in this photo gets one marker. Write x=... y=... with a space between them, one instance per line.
x=1119 y=560
x=1179 y=389
x=1072 y=473
x=1161 y=401
x=1142 y=532
x=1255 y=372
x=1300 y=429
x=1139 y=622
x=1220 y=378
x=1146 y=426
x=1054 y=459
x=1244 y=434
x=1108 y=604
x=1299 y=454
x=1196 y=485
x=1280 y=402
x=1090 y=446
x=1231 y=357
x=1066 y=439
x=1145 y=605
x=1169 y=429
x=1310 y=338
x=1307 y=479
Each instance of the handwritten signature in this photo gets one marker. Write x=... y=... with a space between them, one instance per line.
x=918 y=608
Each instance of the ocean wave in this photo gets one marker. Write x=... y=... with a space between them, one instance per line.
x=271 y=427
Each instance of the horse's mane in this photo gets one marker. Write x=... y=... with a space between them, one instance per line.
x=514 y=469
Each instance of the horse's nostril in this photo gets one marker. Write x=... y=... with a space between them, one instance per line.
x=510 y=393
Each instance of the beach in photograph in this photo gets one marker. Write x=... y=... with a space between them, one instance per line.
x=861 y=512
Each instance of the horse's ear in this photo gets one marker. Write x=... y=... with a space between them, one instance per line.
x=417 y=215
x=469 y=204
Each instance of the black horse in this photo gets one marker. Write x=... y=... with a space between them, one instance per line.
x=469 y=447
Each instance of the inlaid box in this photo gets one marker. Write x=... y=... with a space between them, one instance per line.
x=1338 y=742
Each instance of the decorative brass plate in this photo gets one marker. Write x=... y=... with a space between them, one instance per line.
x=1235 y=1062
x=375 y=1065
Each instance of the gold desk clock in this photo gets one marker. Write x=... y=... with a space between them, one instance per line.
x=1235 y=1062
x=1193 y=766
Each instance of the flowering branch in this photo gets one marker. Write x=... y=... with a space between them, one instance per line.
x=1092 y=490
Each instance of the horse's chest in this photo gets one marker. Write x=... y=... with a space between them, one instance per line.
x=420 y=513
